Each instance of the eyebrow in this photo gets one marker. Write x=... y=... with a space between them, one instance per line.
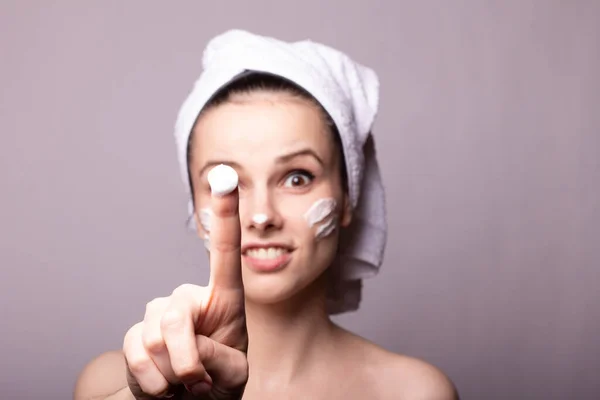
x=280 y=160
x=303 y=152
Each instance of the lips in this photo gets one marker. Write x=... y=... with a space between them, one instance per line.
x=266 y=257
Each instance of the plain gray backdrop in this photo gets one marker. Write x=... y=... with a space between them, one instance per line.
x=489 y=143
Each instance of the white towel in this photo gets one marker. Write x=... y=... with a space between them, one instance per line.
x=349 y=92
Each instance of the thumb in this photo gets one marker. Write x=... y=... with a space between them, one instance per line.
x=227 y=367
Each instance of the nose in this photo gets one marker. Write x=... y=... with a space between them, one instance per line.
x=262 y=214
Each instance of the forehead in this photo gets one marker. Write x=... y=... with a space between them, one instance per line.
x=261 y=128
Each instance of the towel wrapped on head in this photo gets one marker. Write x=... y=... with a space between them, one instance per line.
x=349 y=93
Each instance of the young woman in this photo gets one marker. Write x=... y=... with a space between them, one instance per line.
x=267 y=164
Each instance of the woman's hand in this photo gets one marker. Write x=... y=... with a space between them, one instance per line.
x=195 y=340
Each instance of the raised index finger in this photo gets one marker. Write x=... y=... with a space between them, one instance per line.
x=225 y=231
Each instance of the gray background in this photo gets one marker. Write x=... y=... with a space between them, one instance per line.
x=489 y=142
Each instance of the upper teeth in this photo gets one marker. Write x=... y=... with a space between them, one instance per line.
x=271 y=252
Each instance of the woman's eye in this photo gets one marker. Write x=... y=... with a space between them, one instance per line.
x=298 y=179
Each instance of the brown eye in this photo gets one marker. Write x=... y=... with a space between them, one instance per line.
x=298 y=179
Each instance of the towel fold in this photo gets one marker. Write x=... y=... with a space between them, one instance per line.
x=349 y=92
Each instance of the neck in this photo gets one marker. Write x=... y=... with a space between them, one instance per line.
x=284 y=339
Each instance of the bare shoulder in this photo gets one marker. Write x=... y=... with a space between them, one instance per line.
x=420 y=380
x=103 y=375
x=397 y=376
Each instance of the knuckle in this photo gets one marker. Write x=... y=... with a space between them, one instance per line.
x=172 y=319
x=186 y=369
x=207 y=348
x=154 y=343
x=226 y=247
x=154 y=389
x=226 y=208
x=184 y=289
x=241 y=368
x=188 y=295
x=132 y=334
x=139 y=364
x=154 y=304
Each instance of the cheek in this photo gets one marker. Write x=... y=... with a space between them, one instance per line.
x=314 y=220
x=203 y=216
x=293 y=215
x=322 y=216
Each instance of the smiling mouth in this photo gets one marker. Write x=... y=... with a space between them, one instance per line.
x=269 y=253
x=267 y=259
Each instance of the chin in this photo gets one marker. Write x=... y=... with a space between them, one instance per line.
x=270 y=288
x=277 y=287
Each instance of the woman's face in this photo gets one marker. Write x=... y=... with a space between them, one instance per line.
x=292 y=204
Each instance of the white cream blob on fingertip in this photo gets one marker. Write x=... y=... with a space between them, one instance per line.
x=322 y=211
x=222 y=180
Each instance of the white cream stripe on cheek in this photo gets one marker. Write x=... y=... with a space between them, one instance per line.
x=322 y=211
x=259 y=219
x=326 y=229
x=205 y=217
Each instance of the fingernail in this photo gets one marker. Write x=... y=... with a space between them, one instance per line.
x=222 y=180
x=167 y=394
x=200 y=388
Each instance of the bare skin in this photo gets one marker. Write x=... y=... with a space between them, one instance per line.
x=363 y=370
x=276 y=322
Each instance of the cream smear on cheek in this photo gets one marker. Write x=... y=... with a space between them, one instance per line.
x=205 y=218
x=322 y=212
